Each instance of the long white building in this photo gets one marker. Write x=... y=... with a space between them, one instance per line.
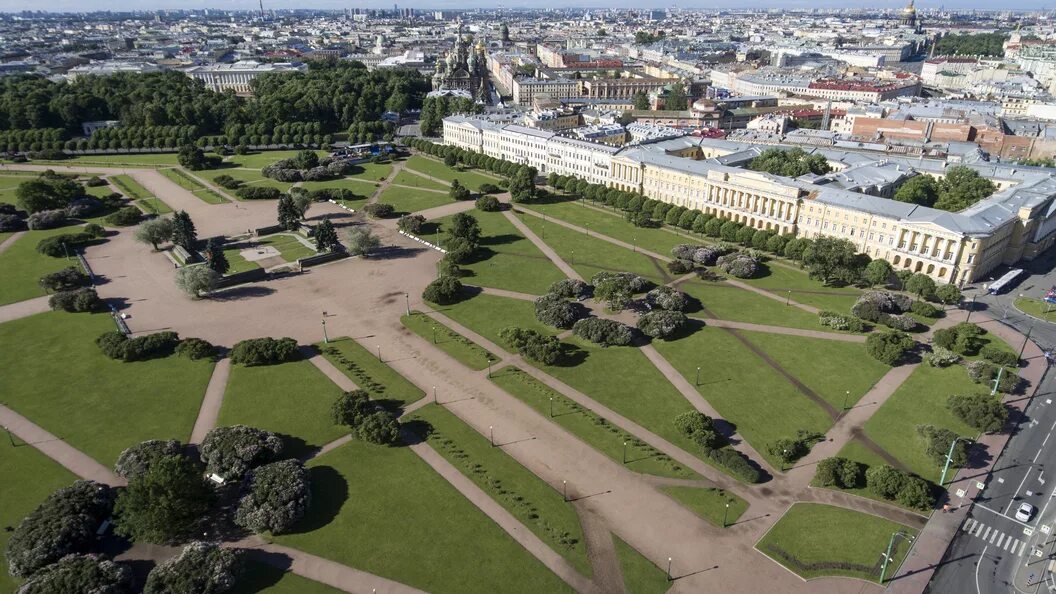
x=238 y=75
x=1016 y=222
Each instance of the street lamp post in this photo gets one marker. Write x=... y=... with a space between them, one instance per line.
x=725 y=514
x=434 y=334
x=551 y=407
x=784 y=456
x=407 y=302
x=625 y=452
x=564 y=490
x=697 y=382
x=949 y=459
x=846 y=397
x=971 y=309
x=434 y=395
x=489 y=367
x=326 y=339
x=491 y=435
x=997 y=380
x=788 y=298
x=669 y=569
x=887 y=555
x=379 y=352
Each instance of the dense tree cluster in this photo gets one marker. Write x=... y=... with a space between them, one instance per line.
x=554 y=310
x=603 y=332
x=959 y=188
x=980 y=411
x=888 y=347
x=789 y=163
x=278 y=496
x=367 y=421
x=166 y=503
x=230 y=452
x=896 y=485
x=435 y=109
x=978 y=44
x=839 y=472
x=537 y=347
x=91 y=574
x=117 y=345
x=203 y=568
x=136 y=460
x=264 y=351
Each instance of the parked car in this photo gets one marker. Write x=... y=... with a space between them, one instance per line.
x=1025 y=512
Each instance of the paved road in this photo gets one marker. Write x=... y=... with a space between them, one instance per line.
x=990 y=553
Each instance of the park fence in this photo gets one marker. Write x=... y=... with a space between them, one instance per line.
x=239 y=278
x=321 y=259
x=424 y=242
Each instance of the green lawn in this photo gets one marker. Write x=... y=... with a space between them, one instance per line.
x=815 y=540
x=368 y=373
x=154 y=205
x=640 y=575
x=261 y=578
x=489 y=314
x=264 y=158
x=763 y=405
x=362 y=190
x=290 y=248
x=235 y=260
x=505 y=259
x=590 y=255
x=469 y=178
x=135 y=160
x=291 y=399
x=7 y=193
x=29 y=477
x=588 y=426
x=373 y=172
x=182 y=179
x=1034 y=307
x=406 y=201
x=59 y=379
x=656 y=240
x=780 y=279
x=132 y=189
x=460 y=348
x=856 y=450
x=409 y=178
x=830 y=368
x=710 y=504
x=384 y=511
x=920 y=400
x=727 y=302
x=21 y=266
x=540 y=506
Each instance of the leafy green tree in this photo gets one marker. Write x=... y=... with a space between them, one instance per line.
x=443 y=291
x=306 y=159
x=980 y=411
x=465 y=226
x=165 y=504
x=701 y=429
x=193 y=158
x=833 y=261
x=921 y=285
x=80 y=573
x=326 y=237
x=541 y=348
x=379 y=428
x=948 y=294
x=888 y=347
x=641 y=101
x=202 y=568
x=184 y=233
x=458 y=191
x=676 y=98
x=215 y=257
x=230 y=452
x=962 y=187
x=450 y=160
x=922 y=190
x=278 y=496
x=885 y=481
x=661 y=323
x=47 y=192
x=937 y=442
x=361 y=242
x=197 y=280
x=877 y=272
x=289 y=216
x=980 y=44
x=522 y=185
x=154 y=232
x=136 y=460
x=789 y=163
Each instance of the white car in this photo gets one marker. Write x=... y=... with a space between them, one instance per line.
x=1025 y=512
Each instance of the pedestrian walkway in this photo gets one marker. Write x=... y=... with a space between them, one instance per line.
x=10 y=241
x=209 y=411
x=1010 y=543
x=24 y=309
x=543 y=247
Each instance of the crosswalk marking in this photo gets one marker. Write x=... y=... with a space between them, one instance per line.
x=992 y=535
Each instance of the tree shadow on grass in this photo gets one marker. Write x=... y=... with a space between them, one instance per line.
x=295 y=447
x=571 y=356
x=501 y=239
x=264 y=571
x=329 y=494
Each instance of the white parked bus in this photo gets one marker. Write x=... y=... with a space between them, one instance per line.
x=1005 y=281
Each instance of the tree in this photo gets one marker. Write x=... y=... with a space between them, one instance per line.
x=537 y=347
x=465 y=226
x=641 y=101
x=135 y=461
x=154 y=232
x=64 y=523
x=411 y=223
x=962 y=187
x=230 y=452
x=665 y=297
x=676 y=98
x=488 y=203
x=458 y=191
x=554 y=310
x=522 y=185
x=193 y=158
x=789 y=163
x=937 y=442
x=888 y=347
x=351 y=408
x=450 y=160
x=80 y=573
x=184 y=233
x=196 y=280
x=252 y=352
x=361 y=241
x=288 y=216
x=278 y=496
x=916 y=493
x=885 y=481
x=922 y=190
x=877 y=272
x=839 y=472
x=661 y=323
x=306 y=159
x=603 y=332
x=302 y=201
x=326 y=237
x=443 y=291
x=701 y=429
x=948 y=294
x=164 y=504
x=981 y=411
x=215 y=258
x=67 y=279
x=379 y=428
x=921 y=284
x=203 y=568
x=833 y=261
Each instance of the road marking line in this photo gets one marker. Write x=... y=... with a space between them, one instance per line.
x=1020 y=487
x=1047 y=435
x=979 y=564
x=1001 y=540
x=968 y=524
x=992 y=538
x=987 y=533
x=997 y=513
x=1009 y=541
x=979 y=530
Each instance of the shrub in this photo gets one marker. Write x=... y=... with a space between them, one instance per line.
x=116 y=345
x=411 y=224
x=898 y=322
x=885 y=481
x=916 y=493
x=378 y=210
x=962 y=338
x=57 y=246
x=93 y=574
x=67 y=279
x=735 y=464
x=841 y=322
x=258 y=193
x=982 y=411
x=227 y=182
x=603 y=332
x=684 y=251
x=10 y=222
x=923 y=308
x=556 y=311
x=888 y=347
x=46 y=219
x=443 y=291
x=570 y=288
x=708 y=255
x=488 y=203
x=532 y=345
x=204 y=568
x=95 y=181
x=196 y=280
x=948 y=294
x=937 y=441
x=940 y=357
x=679 y=267
x=64 y=523
x=278 y=496
x=661 y=324
x=701 y=429
x=136 y=460
x=839 y=472
x=885 y=302
x=633 y=283
x=83 y=207
x=195 y=348
x=265 y=351
x=231 y=451
x=84 y=299
x=380 y=428
x=999 y=356
x=665 y=297
x=740 y=265
x=94 y=230
x=487 y=188
x=129 y=215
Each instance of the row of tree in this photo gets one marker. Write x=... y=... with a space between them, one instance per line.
x=958 y=189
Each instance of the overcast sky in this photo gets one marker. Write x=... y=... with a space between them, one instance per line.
x=88 y=5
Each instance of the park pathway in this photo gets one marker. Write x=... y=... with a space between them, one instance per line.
x=422 y=175
x=716 y=323
x=10 y=241
x=444 y=210
x=58 y=450
x=397 y=166
x=505 y=293
x=543 y=247
x=23 y=309
x=209 y=411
